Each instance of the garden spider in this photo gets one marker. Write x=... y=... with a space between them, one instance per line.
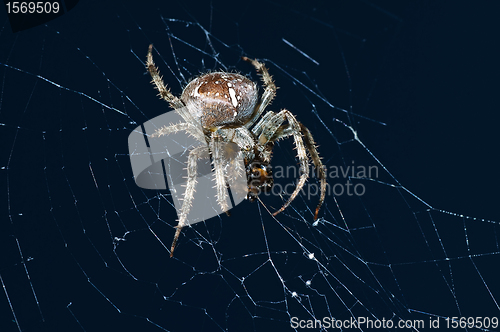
x=220 y=107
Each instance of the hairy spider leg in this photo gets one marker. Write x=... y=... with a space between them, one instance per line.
x=269 y=90
x=198 y=152
x=320 y=169
x=166 y=95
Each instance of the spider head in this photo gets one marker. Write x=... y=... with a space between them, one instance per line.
x=260 y=179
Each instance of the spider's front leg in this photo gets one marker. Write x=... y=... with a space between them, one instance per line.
x=166 y=95
x=273 y=129
x=311 y=147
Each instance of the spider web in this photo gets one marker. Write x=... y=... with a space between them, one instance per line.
x=84 y=248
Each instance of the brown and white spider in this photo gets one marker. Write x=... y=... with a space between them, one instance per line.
x=220 y=107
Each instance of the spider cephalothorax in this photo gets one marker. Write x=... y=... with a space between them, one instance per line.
x=260 y=179
x=220 y=108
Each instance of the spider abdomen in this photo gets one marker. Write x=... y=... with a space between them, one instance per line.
x=221 y=99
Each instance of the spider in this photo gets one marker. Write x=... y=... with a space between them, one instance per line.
x=220 y=107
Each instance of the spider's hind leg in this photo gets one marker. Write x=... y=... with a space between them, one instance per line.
x=157 y=80
x=273 y=129
x=269 y=90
